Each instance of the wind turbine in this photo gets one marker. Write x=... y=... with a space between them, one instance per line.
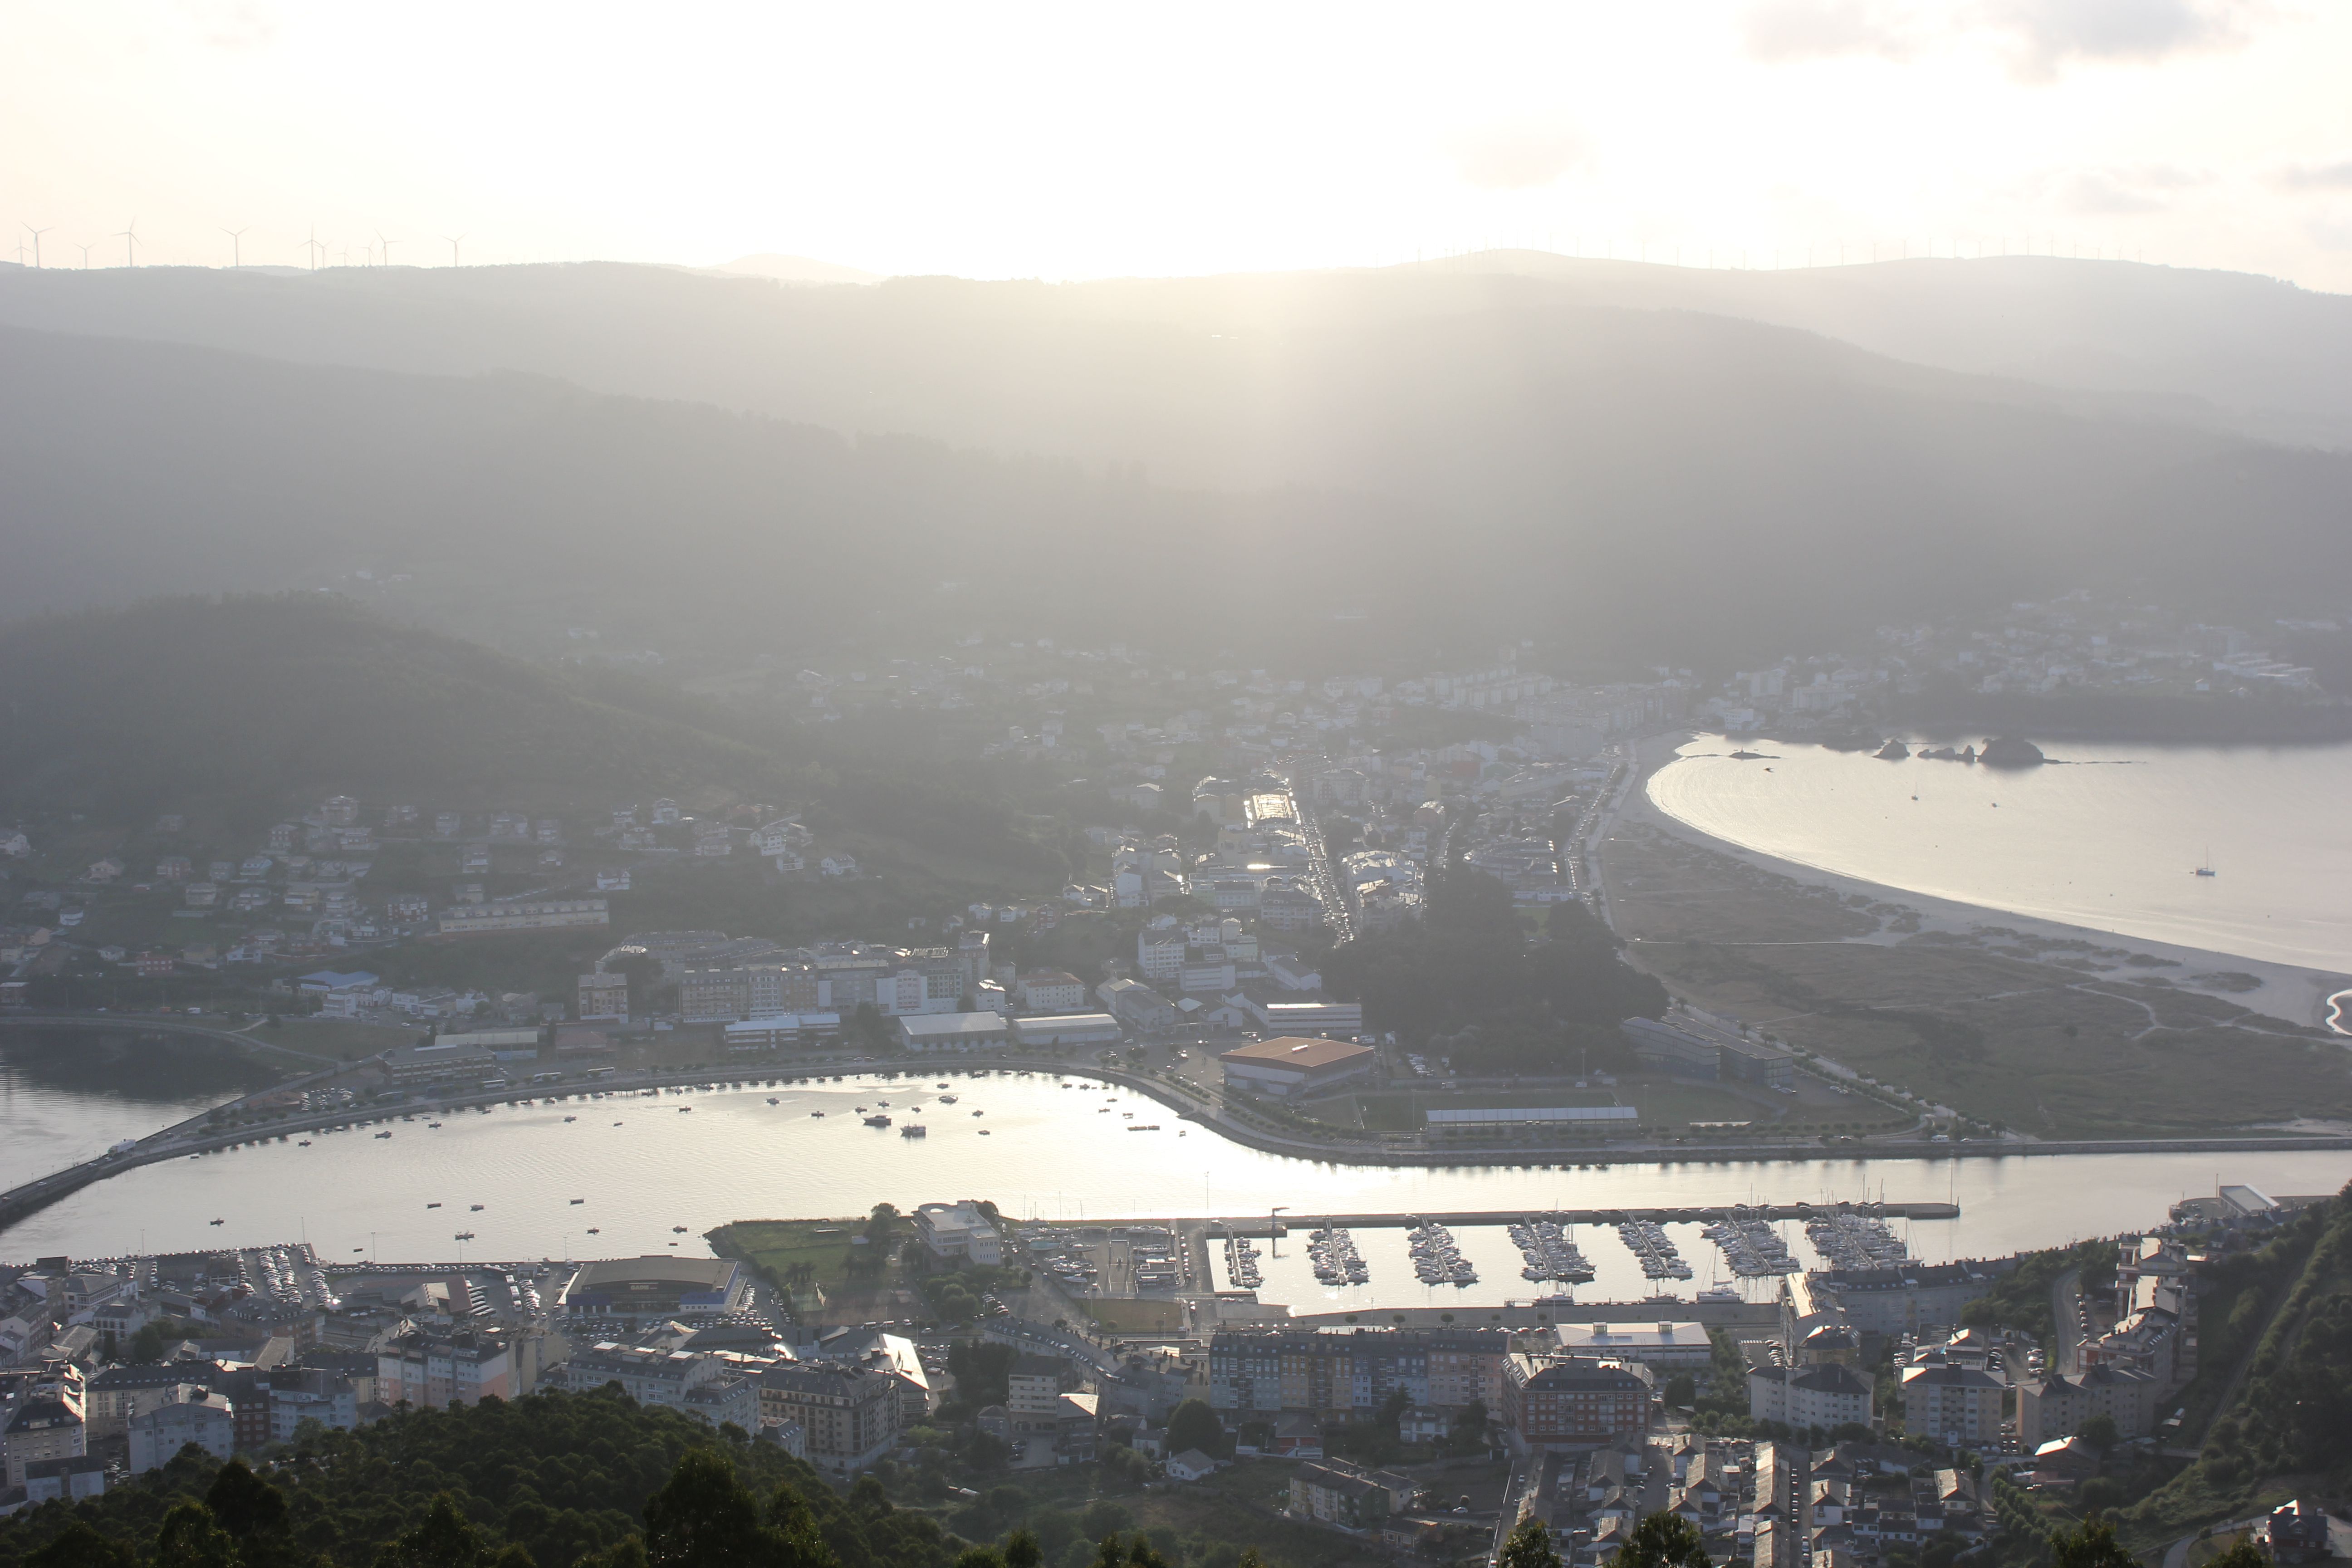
x=36 y=234
x=453 y=239
x=130 y=239
x=236 y=245
x=312 y=246
x=387 y=247
x=85 y=259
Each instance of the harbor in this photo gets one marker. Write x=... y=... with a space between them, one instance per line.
x=786 y=1150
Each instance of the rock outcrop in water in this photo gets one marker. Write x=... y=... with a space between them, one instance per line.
x=2008 y=752
x=1893 y=752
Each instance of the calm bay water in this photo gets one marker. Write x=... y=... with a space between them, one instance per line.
x=2111 y=840
x=67 y=1094
x=1053 y=1153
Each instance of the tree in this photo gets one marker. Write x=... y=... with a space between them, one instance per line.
x=704 y=1518
x=801 y=1543
x=79 y=1546
x=1664 y=1540
x=244 y=1504
x=444 y=1539
x=880 y=1223
x=1192 y=1425
x=1470 y=1426
x=189 y=1537
x=2242 y=1554
x=2099 y=1432
x=2091 y=1544
x=1681 y=1391
x=1529 y=1546
x=1022 y=1550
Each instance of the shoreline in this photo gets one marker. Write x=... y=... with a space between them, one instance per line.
x=2290 y=993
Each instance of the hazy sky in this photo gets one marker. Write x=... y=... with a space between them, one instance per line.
x=1079 y=141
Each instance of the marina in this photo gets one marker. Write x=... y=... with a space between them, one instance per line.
x=1052 y=1160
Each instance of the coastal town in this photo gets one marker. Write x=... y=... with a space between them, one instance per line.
x=1851 y=1415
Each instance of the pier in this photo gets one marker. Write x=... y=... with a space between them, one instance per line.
x=1308 y=1219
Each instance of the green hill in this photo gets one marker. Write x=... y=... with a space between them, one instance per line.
x=235 y=711
x=266 y=700
x=2275 y=1356
x=562 y=1476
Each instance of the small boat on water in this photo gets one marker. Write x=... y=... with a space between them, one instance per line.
x=983 y=1132
x=577 y=1202
x=596 y=1230
x=877 y=1122
x=477 y=1208
x=432 y=1124
x=772 y=1099
x=679 y=1230
x=914 y=1129
x=305 y=1143
x=2205 y=866
x=384 y=1134
x=816 y=1113
x=686 y=1111
x=572 y=1118
x=220 y=1222
x=433 y=1205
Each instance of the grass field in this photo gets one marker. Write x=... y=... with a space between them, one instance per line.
x=2011 y=1032
x=774 y=1246
x=338 y=1038
x=1134 y=1315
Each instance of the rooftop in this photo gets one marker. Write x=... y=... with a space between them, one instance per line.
x=1292 y=1051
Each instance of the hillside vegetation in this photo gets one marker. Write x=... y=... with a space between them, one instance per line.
x=2289 y=1430
x=1652 y=484
x=245 y=707
x=552 y=1478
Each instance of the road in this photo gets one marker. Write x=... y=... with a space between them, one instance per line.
x=2066 y=1321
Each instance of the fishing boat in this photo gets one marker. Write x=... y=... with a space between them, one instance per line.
x=477 y=1208
x=914 y=1129
x=878 y=1120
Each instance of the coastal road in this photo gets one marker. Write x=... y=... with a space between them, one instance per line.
x=2066 y=1321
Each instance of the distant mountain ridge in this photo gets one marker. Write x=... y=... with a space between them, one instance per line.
x=1122 y=369
x=1656 y=486
x=795 y=269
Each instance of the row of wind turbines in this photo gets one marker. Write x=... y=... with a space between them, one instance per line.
x=315 y=249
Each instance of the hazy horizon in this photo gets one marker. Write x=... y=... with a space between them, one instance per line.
x=2201 y=133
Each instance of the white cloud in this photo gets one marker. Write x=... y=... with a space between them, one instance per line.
x=1777 y=30
x=2041 y=38
x=233 y=24
x=1518 y=155
x=2333 y=175
x=2036 y=39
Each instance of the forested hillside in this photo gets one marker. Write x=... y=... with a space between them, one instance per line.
x=242 y=709
x=1639 y=486
x=2288 y=1430
x=551 y=1479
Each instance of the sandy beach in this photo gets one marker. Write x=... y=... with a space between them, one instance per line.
x=2287 y=992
